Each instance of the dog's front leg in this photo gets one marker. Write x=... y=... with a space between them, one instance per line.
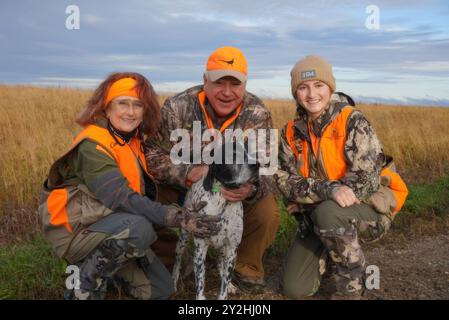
x=180 y=247
x=227 y=266
x=199 y=259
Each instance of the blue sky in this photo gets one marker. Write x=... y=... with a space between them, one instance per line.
x=406 y=60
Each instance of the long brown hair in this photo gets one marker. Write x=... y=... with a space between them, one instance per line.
x=95 y=107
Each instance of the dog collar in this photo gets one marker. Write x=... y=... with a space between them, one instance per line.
x=216 y=188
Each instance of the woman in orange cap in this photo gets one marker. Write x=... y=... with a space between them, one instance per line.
x=98 y=204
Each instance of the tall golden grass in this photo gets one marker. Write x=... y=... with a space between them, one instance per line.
x=416 y=137
x=37 y=125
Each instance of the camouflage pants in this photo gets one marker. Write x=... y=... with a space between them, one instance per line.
x=117 y=248
x=338 y=233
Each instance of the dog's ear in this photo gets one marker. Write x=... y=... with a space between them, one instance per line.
x=209 y=179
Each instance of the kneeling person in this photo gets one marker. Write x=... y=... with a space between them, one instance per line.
x=222 y=102
x=98 y=204
x=337 y=180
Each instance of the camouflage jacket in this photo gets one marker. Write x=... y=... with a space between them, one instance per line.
x=179 y=112
x=362 y=150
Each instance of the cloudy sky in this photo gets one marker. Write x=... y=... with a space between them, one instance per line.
x=403 y=59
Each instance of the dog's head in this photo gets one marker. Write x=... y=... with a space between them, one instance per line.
x=239 y=170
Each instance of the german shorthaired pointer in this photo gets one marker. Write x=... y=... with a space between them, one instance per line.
x=228 y=238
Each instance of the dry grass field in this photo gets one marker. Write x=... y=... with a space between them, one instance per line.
x=416 y=137
x=37 y=125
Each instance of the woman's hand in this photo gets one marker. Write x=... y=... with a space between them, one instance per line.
x=238 y=194
x=344 y=196
x=201 y=225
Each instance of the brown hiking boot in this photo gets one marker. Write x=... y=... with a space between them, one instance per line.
x=249 y=285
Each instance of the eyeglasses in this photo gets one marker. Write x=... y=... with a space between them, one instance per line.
x=127 y=103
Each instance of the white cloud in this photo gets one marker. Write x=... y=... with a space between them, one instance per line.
x=91 y=19
x=172 y=87
x=427 y=66
x=67 y=82
x=393 y=28
x=405 y=41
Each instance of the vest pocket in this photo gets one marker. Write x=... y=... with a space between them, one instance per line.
x=91 y=208
x=383 y=201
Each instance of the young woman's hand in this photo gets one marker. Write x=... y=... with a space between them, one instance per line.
x=344 y=196
x=292 y=208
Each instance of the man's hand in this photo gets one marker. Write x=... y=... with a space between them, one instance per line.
x=344 y=196
x=196 y=173
x=202 y=226
x=239 y=194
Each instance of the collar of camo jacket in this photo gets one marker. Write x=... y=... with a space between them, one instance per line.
x=302 y=120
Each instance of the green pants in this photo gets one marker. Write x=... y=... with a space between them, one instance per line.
x=305 y=261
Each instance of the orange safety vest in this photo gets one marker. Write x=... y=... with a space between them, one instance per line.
x=210 y=125
x=126 y=156
x=330 y=149
x=209 y=122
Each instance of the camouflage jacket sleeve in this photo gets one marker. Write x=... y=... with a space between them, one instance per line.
x=261 y=120
x=157 y=150
x=104 y=179
x=292 y=184
x=364 y=157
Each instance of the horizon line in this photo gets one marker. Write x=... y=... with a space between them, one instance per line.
x=412 y=102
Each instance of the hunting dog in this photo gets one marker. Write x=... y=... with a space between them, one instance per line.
x=228 y=238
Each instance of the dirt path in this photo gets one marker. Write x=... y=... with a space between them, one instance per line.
x=410 y=268
x=414 y=269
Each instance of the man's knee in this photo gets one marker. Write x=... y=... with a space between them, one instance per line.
x=329 y=215
x=270 y=222
x=265 y=213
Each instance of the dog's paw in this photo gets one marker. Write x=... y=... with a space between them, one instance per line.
x=232 y=289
